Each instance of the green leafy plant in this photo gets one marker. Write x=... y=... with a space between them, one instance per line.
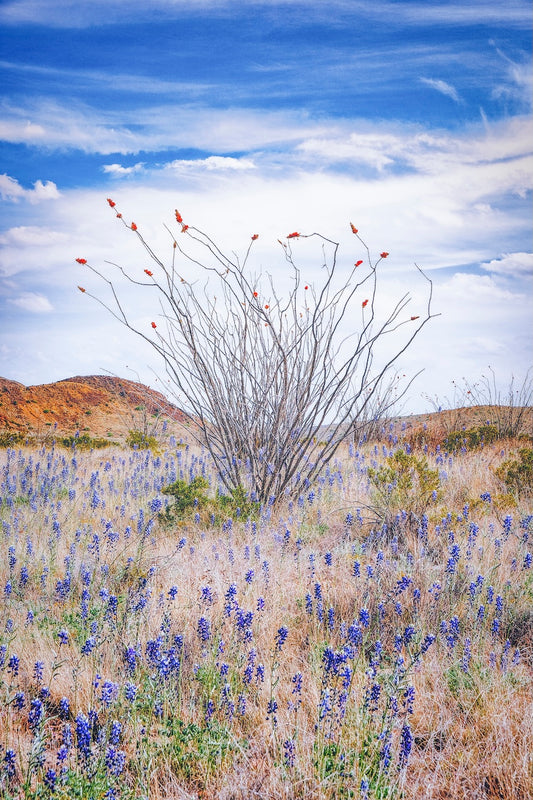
x=471 y=439
x=404 y=483
x=517 y=473
x=142 y=441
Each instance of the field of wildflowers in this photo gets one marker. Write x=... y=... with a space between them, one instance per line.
x=372 y=638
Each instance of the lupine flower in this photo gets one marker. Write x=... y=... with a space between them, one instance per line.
x=289 y=752
x=89 y=645
x=50 y=779
x=36 y=715
x=406 y=743
x=13 y=665
x=281 y=637
x=204 y=629
x=19 y=701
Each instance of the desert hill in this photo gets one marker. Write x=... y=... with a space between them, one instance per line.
x=101 y=405
x=109 y=407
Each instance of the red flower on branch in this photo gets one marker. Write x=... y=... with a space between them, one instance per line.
x=148 y=273
x=81 y=260
x=413 y=318
x=184 y=228
x=133 y=226
x=111 y=202
x=255 y=294
x=358 y=263
x=81 y=288
x=354 y=229
x=383 y=255
x=179 y=218
x=154 y=325
x=364 y=303
x=119 y=215
x=255 y=236
x=293 y=235
x=267 y=306
x=306 y=287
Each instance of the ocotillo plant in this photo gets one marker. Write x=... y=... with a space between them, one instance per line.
x=272 y=383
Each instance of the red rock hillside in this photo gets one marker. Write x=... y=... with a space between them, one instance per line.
x=100 y=405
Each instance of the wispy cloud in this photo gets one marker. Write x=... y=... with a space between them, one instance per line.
x=73 y=14
x=11 y=190
x=117 y=170
x=30 y=301
x=443 y=87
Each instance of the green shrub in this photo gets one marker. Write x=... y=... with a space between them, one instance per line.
x=85 y=442
x=517 y=473
x=141 y=441
x=403 y=483
x=10 y=438
x=187 y=495
x=471 y=439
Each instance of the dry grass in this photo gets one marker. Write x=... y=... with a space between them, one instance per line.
x=471 y=719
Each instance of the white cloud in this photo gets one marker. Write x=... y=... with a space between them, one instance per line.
x=510 y=265
x=11 y=190
x=212 y=163
x=443 y=87
x=119 y=171
x=31 y=301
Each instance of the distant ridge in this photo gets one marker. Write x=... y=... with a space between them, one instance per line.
x=101 y=405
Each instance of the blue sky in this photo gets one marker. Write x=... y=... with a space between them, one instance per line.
x=412 y=119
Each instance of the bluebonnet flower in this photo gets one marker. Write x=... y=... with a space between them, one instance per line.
x=89 y=645
x=38 y=669
x=260 y=603
x=10 y=763
x=36 y=714
x=467 y=654
x=172 y=592
x=108 y=693
x=281 y=637
x=13 y=665
x=130 y=692
x=289 y=751
x=50 y=779
x=272 y=708
x=209 y=710
x=249 y=576
x=331 y=618
x=328 y=558
x=406 y=743
x=19 y=701
x=63 y=636
x=115 y=761
x=364 y=617
x=64 y=708
x=260 y=673
x=204 y=629
x=83 y=736
x=130 y=657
